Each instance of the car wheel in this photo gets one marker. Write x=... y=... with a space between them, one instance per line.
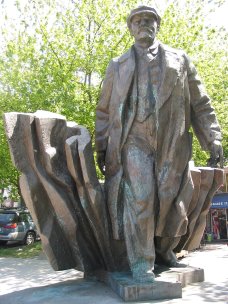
x=3 y=242
x=30 y=238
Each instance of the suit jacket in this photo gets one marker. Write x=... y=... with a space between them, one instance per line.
x=181 y=102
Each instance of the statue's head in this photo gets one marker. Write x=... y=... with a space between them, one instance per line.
x=143 y=23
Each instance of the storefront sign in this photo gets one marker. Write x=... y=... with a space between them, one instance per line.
x=220 y=201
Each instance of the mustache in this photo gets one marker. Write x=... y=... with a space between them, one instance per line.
x=148 y=29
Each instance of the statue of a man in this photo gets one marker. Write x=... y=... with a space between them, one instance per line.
x=151 y=97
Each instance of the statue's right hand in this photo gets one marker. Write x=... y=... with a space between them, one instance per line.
x=101 y=161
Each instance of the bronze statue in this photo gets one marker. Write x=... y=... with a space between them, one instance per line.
x=151 y=96
x=156 y=206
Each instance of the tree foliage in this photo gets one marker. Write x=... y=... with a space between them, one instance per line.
x=54 y=58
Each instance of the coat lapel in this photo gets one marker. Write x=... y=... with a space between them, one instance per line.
x=125 y=73
x=170 y=69
x=128 y=99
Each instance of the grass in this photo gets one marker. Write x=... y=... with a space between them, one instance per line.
x=22 y=251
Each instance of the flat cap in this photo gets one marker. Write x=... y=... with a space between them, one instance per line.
x=143 y=9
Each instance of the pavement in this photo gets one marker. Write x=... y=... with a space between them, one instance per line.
x=32 y=281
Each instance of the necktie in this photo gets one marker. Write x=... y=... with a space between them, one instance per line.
x=150 y=94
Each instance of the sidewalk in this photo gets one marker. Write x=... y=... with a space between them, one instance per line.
x=33 y=281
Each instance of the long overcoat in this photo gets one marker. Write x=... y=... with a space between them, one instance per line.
x=181 y=102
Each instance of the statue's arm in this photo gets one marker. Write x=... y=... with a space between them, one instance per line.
x=102 y=117
x=203 y=116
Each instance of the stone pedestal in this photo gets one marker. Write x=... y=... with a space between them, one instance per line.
x=167 y=285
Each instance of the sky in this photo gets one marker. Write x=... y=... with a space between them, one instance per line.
x=218 y=18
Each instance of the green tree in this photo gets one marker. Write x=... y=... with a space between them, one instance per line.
x=54 y=58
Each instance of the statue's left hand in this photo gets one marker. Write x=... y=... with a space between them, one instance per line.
x=216 y=154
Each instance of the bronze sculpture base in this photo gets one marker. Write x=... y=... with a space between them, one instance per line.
x=168 y=283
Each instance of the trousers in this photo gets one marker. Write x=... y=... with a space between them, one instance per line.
x=141 y=203
x=139 y=197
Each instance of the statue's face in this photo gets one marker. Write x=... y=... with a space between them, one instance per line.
x=144 y=27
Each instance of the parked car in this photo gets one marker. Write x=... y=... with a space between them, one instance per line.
x=17 y=225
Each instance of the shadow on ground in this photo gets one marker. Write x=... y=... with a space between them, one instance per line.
x=77 y=291
x=82 y=291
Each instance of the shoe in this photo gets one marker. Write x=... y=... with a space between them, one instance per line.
x=168 y=259
x=142 y=272
x=147 y=277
